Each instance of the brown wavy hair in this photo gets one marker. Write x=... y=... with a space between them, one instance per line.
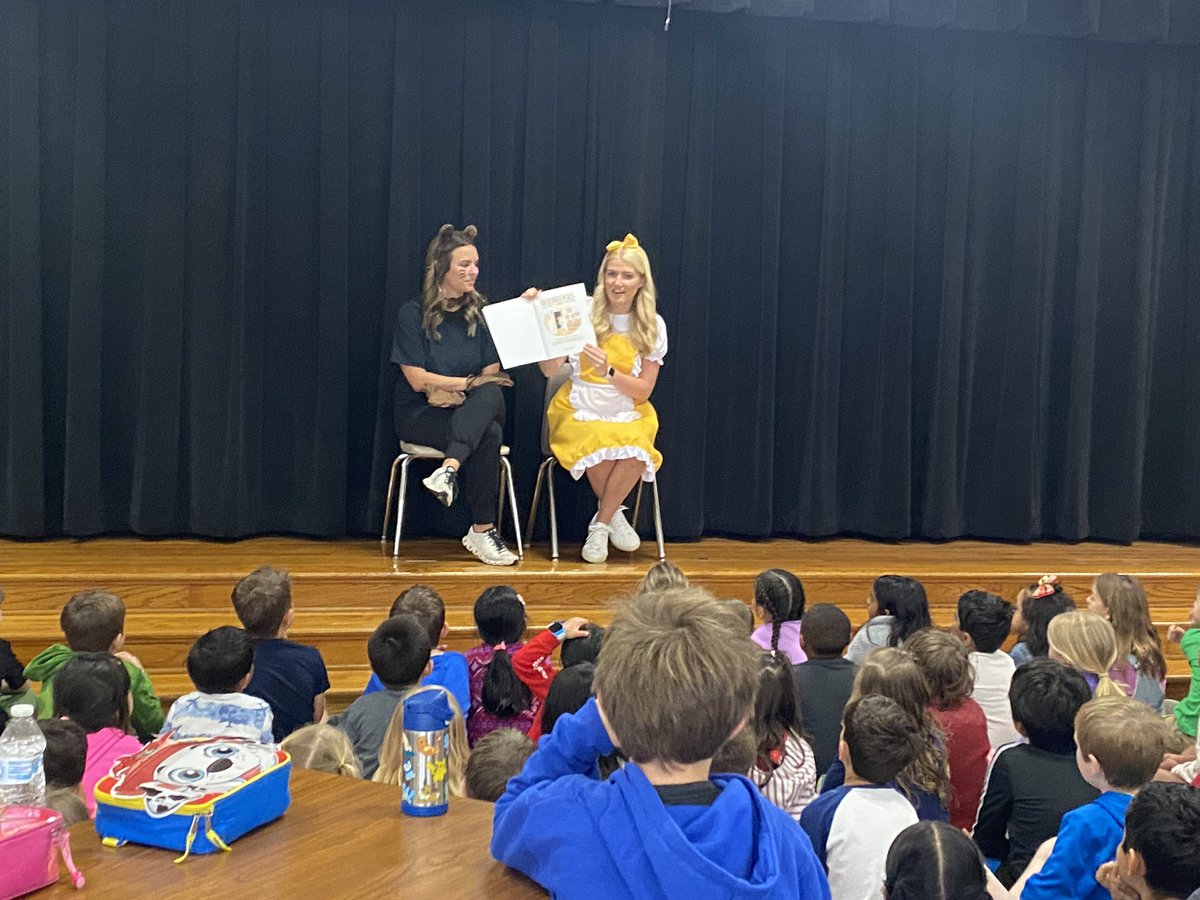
x=437 y=264
x=944 y=663
x=1129 y=612
x=891 y=672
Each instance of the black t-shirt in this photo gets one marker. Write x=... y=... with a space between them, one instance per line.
x=824 y=686
x=456 y=354
x=694 y=793
x=12 y=672
x=290 y=677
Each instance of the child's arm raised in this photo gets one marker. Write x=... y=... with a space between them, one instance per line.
x=532 y=662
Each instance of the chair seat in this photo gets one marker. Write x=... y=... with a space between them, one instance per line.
x=420 y=451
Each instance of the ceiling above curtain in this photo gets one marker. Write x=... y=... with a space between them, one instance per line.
x=1136 y=21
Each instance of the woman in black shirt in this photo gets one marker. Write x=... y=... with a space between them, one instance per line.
x=441 y=346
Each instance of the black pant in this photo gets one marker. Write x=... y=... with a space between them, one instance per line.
x=471 y=433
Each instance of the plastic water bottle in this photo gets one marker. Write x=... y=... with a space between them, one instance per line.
x=22 y=778
x=426 y=789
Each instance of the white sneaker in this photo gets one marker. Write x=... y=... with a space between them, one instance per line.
x=489 y=547
x=595 y=548
x=443 y=484
x=622 y=534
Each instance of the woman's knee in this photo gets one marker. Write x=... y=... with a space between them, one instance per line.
x=493 y=437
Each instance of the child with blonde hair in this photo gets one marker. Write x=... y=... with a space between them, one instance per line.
x=1087 y=642
x=322 y=748
x=391 y=752
x=1140 y=668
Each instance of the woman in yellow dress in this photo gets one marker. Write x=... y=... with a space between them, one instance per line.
x=601 y=420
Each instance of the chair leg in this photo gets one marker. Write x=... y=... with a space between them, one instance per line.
x=658 y=529
x=553 y=462
x=512 y=500
x=637 y=505
x=500 y=496
x=537 y=496
x=405 y=460
x=387 y=507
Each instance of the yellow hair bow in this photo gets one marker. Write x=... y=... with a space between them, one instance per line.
x=630 y=243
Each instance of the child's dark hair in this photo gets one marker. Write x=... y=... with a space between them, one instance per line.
x=499 y=756
x=882 y=738
x=934 y=861
x=1045 y=698
x=903 y=598
x=826 y=630
x=1163 y=825
x=399 y=651
x=781 y=595
x=569 y=691
x=220 y=659
x=92 y=690
x=987 y=618
x=65 y=757
x=776 y=712
x=500 y=619
x=1043 y=602
x=582 y=649
x=427 y=605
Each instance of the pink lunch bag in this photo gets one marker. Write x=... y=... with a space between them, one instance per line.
x=31 y=839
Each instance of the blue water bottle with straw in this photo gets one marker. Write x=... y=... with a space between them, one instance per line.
x=426 y=789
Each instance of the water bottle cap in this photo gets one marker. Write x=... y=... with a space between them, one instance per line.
x=427 y=711
x=21 y=710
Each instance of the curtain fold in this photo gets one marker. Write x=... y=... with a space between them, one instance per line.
x=929 y=281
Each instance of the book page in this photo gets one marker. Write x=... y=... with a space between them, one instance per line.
x=557 y=323
x=513 y=326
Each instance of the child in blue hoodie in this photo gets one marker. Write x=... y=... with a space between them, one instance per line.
x=1119 y=743
x=676 y=679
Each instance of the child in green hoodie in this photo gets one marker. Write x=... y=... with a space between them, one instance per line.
x=94 y=621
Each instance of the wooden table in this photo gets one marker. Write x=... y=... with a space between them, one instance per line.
x=340 y=838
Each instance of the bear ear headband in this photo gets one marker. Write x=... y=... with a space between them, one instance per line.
x=629 y=243
x=1045 y=587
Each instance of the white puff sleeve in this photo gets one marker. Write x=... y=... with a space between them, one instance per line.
x=660 y=345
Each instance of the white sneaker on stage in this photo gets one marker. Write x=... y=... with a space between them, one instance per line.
x=595 y=548
x=489 y=547
x=622 y=534
x=443 y=484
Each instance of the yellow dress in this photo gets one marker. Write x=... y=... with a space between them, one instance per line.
x=591 y=421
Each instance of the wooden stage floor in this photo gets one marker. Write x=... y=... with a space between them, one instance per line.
x=176 y=589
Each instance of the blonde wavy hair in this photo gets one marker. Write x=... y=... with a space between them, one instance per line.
x=644 y=331
x=1088 y=643
x=322 y=748
x=894 y=673
x=437 y=264
x=391 y=751
x=1129 y=612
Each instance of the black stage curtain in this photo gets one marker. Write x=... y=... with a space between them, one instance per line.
x=919 y=282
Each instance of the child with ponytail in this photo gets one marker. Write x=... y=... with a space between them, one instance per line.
x=1087 y=642
x=499 y=699
x=779 y=603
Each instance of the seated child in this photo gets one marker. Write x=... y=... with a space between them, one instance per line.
x=92 y=690
x=897 y=607
x=1120 y=743
x=498 y=757
x=499 y=699
x=220 y=664
x=94 y=622
x=935 y=861
x=944 y=663
x=925 y=781
x=983 y=621
x=1030 y=787
x=291 y=677
x=779 y=604
x=12 y=675
x=568 y=692
x=1140 y=669
x=784 y=768
x=676 y=679
x=449 y=666
x=399 y=654
x=1188 y=638
x=63 y=762
x=534 y=666
x=391 y=751
x=825 y=680
x=661 y=576
x=1159 y=856
x=1036 y=606
x=1086 y=642
x=853 y=826
x=584 y=648
x=322 y=748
